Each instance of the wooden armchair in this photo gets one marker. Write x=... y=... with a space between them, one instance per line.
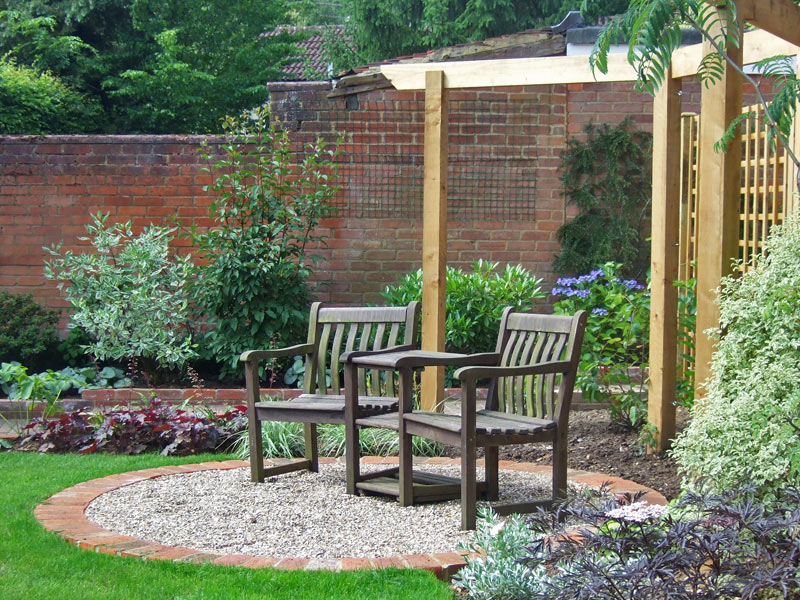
x=531 y=378
x=331 y=331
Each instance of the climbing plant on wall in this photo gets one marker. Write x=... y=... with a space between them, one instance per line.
x=607 y=175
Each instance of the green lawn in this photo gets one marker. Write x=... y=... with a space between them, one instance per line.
x=35 y=564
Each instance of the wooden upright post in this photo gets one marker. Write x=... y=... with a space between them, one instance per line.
x=719 y=190
x=664 y=260
x=434 y=235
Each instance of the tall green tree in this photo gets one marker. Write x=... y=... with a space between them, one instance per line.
x=36 y=103
x=156 y=66
x=209 y=59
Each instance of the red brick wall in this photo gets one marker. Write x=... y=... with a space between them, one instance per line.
x=49 y=185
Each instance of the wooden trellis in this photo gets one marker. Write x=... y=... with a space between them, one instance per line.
x=768 y=194
x=767 y=197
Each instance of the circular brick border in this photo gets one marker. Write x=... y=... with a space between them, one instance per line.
x=63 y=514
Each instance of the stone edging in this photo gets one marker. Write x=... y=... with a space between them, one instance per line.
x=63 y=514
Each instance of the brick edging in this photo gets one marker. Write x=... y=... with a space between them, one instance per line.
x=63 y=514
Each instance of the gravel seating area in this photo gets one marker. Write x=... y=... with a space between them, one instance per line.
x=294 y=515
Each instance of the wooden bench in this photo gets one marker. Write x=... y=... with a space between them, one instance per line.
x=531 y=379
x=331 y=332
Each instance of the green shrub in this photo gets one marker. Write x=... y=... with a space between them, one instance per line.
x=39 y=103
x=746 y=428
x=251 y=284
x=129 y=295
x=27 y=329
x=607 y=176
x=616 y=338
x=475 y=301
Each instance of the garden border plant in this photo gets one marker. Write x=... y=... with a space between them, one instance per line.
x=250 y=286
x=129 y=295
x=597 y=546
x=746 y=429
x=475 y=302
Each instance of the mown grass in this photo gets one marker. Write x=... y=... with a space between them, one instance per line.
x=35 y=564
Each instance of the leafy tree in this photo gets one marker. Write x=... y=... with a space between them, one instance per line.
x=39 y=103
x=211 y=59
x=268 y=201
x=156 y=66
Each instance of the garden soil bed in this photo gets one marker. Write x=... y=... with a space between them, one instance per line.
x=597 y=444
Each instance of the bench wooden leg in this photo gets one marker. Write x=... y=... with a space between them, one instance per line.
x=253 y=423
x=256 y=450
x=560 y=467
x=311 y=449
x=468 y=483
x=352 y=450
x=406 y=474
x=492 y=473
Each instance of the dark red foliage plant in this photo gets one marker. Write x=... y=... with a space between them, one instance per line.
x=155 y=426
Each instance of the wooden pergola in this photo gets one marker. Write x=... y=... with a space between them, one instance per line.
x=718 y=197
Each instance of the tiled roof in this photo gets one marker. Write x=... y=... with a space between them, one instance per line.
x=311 y=49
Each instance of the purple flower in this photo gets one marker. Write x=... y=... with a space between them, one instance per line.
x=600 y=311
x=632 y=284
x=582 y=293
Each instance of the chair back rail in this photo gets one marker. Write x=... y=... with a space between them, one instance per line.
x=528 y=339
x=335 y=330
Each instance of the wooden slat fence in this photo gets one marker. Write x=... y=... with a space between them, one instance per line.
x=768 y=194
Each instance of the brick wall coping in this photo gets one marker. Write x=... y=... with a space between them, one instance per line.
x=95 y=138
x=296 y=86
x=63 y=514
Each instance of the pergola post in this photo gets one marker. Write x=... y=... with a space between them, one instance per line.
x=664 y=260
x=434 y=235
x=719 y=191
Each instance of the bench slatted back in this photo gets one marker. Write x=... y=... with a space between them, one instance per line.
x=528 y=339
x=334 y=330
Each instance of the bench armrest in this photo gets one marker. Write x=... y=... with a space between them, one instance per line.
x=257 y=355
x=480 y=372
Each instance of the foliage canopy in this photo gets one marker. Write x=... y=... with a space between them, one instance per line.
x=154 y=66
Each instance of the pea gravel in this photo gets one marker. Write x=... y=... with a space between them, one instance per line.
x=299 y=514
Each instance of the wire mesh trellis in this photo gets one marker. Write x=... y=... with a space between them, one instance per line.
x=494 y=151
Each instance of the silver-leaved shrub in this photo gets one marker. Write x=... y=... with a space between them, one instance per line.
x=129 y=294
x=746 y=430
x=497 y=570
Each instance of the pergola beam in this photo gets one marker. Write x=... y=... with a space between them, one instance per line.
x=546 y=70
x=550 y=70
x=779 y=17
x=758 y=45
